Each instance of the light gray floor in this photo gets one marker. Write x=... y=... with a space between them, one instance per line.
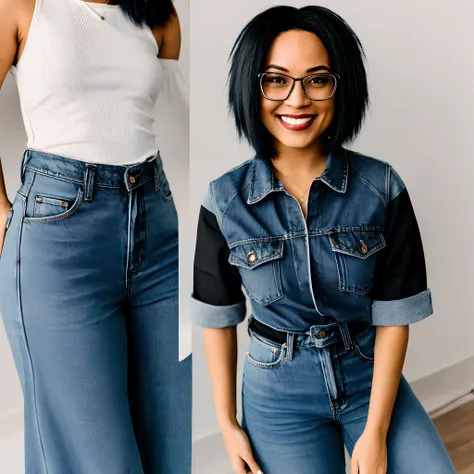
x=11 y=451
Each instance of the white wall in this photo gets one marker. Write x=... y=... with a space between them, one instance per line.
x=421 y=82
x=12 y=144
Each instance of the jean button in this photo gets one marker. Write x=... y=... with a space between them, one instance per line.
x=132 y=179
x=322 y=334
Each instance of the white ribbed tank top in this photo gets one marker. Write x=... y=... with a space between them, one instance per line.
x=88 y=87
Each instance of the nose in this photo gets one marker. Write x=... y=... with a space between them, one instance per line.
x=297 y=97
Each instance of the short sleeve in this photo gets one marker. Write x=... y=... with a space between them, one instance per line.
x=400 y=295
x=218 y=299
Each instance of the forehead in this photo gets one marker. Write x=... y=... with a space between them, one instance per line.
x=297 y=50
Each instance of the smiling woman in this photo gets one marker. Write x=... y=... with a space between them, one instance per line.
x=326 y=245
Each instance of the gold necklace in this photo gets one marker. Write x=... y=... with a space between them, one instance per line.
x=301 y=198
x=102 y=17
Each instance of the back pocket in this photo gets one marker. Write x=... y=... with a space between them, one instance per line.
x=259 y=265
x=355 y=257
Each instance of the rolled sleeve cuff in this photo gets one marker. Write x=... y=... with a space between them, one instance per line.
x=210 y=316
x=402 y=312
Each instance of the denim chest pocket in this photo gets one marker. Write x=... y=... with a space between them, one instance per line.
x=259 y=266
x=355 y=255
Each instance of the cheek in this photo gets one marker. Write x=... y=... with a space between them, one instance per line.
x=266 y=111
x=327 y=111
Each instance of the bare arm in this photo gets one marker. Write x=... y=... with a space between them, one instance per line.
x=169 y=38
x=390 y=350
x=9 y=10
x=221 y=354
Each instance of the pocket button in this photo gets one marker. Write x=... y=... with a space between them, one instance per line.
x=39 y=199
x=132 y=179
x=252 y=257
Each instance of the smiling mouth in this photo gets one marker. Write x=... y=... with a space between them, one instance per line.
x=297 y=122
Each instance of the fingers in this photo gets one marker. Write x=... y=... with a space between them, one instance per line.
x=242 y=466
x=239 y=467
x=254 y=468
x=354 y=467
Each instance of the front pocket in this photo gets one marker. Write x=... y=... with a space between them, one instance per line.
x=48 y=206
x=265 y=354
x=50 y=199
x=364 y=344
x=355 y=255
x=162 y=184
x=259 y=265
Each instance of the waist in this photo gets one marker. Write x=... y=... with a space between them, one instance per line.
x=317 y=335
x=103 y=175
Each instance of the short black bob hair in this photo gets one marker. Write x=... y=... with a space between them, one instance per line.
x=346 y=56
x=152 y=13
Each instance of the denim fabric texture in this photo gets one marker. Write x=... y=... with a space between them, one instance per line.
x=89 y=300
x=298 y=272
x=303 y=400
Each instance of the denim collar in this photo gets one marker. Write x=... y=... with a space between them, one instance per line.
x=263 y=181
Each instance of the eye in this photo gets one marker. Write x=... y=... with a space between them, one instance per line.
x=318 y=80
x=277 y=79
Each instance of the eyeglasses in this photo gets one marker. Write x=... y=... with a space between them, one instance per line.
x=278 y=87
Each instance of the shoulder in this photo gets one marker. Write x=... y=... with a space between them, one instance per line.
x=168 y=37
x=16 y=12
x=226 y=187
x=376 y=173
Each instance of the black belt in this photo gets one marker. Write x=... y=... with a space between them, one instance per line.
x=280 y=337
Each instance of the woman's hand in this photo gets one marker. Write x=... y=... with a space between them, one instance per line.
x=239 y=450
x=370 y=454
x=4 y=210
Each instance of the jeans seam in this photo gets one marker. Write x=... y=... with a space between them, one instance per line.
x=30 y=360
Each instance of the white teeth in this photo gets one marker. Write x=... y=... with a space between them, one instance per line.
x=294 y=121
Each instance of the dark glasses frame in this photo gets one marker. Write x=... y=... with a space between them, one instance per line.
x=336 y=77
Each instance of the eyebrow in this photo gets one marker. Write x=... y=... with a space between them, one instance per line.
x=312 y=69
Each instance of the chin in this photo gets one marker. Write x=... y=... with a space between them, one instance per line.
x=298 y=142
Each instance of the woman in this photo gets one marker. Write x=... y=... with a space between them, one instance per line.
x=327 y=247
x=89 y=266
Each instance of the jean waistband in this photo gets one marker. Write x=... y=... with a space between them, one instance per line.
x=126 y=177
x=316 y=336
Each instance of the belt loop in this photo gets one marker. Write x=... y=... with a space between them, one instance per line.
x=24 y=159
x=290 y=338
x=346 y=336
x=89 y=180
x=157 y=168
x=249 y=322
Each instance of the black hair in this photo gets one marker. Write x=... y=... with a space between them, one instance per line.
x=153 y=13
x=346 y=56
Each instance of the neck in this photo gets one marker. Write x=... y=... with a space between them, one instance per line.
x=309 y=161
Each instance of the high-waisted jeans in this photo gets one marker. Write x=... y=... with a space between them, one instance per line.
x=89 y=300
x=306 y=398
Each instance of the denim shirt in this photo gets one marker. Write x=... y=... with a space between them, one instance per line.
x=357 y=256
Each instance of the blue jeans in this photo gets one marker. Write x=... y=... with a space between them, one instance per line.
x=89 y=300
x=305 y=399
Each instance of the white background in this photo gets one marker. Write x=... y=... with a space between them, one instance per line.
x=421 y=74
x=12 y=144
